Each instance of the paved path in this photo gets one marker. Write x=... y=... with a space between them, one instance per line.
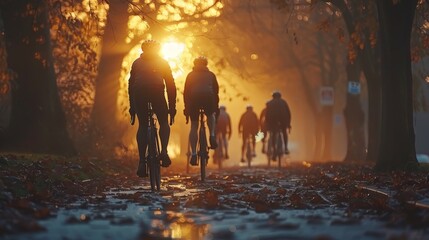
x=240 y=203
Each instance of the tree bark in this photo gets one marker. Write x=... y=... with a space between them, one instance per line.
x=397 y=145
x=105 y=127
x=369 y=63
x=354 y=119
x=37 y=121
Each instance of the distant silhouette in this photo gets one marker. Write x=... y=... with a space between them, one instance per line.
x=278 y=117
x=223 y=129
x=201 y=91
x=248 y=127
x=150 y=75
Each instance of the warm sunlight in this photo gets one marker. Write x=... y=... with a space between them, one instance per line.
x=172 y=50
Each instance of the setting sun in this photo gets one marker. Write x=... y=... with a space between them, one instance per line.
x=172 y=50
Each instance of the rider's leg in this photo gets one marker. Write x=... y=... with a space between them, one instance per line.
x=225 y=144
x=160 y=108
x=253 y=145
x=164 y=135
x=272 y=144
x=193 y=137
x=264 y=140
x=285 y=140
x=243 y=145
x=211 y=123
x=142 y=142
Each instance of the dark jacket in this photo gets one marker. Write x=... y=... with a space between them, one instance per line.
x=151 y=73
x=249 y=122
x=278 y=114
x=200 y=81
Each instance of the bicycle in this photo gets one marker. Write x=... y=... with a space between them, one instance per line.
x=276 y=147
x=153 y=160
x=202 y=146
x=249 y=152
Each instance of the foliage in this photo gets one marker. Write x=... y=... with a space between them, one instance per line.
x=76 y=27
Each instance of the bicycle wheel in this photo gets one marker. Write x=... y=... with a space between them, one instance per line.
x=279 y=149
x=203 y=153
x=248 y=152
x=153 y=161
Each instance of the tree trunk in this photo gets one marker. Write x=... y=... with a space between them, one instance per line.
x=105 y=127
x=327 y=114
x=354 y=119
x=374 y=108
x=37 y=122
x=397 y=145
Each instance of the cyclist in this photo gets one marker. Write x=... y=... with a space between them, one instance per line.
x=278 y=116
x=201 y=91
x=150 y=75
x=223 y=128
x=248 y=127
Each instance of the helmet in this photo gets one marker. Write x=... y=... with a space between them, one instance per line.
x=249 y=107
x=276 y=94
x=200 y=61
x=150 y=46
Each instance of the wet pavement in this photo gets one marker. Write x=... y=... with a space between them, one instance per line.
x=240 y=203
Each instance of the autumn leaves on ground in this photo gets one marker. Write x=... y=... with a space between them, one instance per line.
x=34 y=187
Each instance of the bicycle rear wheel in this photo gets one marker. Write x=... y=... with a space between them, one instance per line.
x=279 y=149
x=154 y=162
x=248 y=153
x=203 y=153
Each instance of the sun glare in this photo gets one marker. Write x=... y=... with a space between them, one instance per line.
x=172 y=50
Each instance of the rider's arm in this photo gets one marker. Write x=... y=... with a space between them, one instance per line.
x=187 y=90
x=288 y=115
x=170 y=85
x=240 y=124
x=131 y=82
x=229 y=128
x=216 y=90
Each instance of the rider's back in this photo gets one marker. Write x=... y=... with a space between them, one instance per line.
x=278 y=112
x=148 y=73
x=200 y=81
x=223 y=122
x=249 y=122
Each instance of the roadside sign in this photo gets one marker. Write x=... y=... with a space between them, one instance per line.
x=326 y=96
x=354 y=88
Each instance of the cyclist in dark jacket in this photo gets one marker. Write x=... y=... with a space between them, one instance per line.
x=150 y=75
x=248 y=127
x=278 y=117
x=201 y=91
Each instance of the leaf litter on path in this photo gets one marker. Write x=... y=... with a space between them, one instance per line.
x=324 y=201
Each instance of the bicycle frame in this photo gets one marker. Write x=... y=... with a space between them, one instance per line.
x=203 y=149
x=153 y=152
x=276 y=147
x=249 y=154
